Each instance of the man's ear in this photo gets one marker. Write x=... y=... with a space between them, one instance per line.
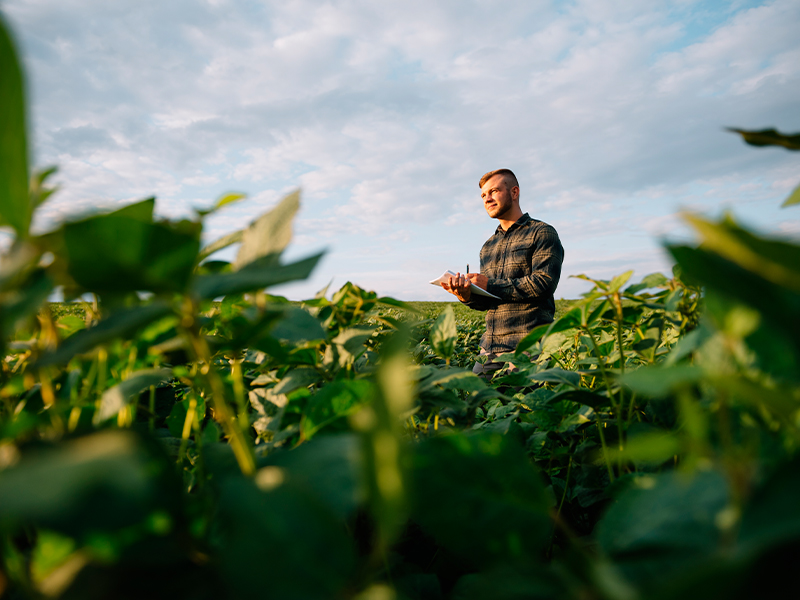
x=515 y=193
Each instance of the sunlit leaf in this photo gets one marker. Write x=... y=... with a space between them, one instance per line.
x=268 y=235
x=794 y=198
x=219 y=244
x=570 y=320
x=619 y=281
x=222 y=201
x=774 y=260
x=444 y=333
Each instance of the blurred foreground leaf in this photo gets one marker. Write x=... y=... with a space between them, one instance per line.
x=117 y=325
x=102 y=481
x=769 y=137
x=15 y=208
x=255 y=276
x=480 y=498
x=268 y=235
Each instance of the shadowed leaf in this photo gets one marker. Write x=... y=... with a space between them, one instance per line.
x=116 y=398
x=15 y=208
x=769 y=137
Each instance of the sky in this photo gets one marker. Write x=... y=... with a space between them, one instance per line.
x=386 y=114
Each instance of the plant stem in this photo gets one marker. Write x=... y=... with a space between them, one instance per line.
x=605 y=450
x=236 y=437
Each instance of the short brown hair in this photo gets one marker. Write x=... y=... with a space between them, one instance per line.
x=509 y=177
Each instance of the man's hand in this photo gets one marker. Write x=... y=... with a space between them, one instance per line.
x=458 y=285
x=480 y=280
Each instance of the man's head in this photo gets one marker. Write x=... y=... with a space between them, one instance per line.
x=500 y=194
x=508 y=177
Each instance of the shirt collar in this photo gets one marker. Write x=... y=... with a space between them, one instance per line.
x=523 y=220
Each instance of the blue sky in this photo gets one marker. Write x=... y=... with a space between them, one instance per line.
x=386 y=114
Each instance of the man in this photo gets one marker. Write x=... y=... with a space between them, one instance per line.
x=520 y=263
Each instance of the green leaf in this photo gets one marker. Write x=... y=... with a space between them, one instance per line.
x=296 y=379
x=219 y=244
x=774 y=260
x=654 y=280
x=297 y=325
x=255 y=277
x=775 y=304
x=653 y=447
x=619 y=281
x=584 y=397
x=117 y=325
x=104 y=481
x=794 y=198
x=332 y=402
x=769 y=137
x=118 y=397
x=452 y=379
x=480 y=498
x=662 y=524
x=268 y=235
x=353 y=339
x=24 y=303
x=387 y=301
x=659 y=382
x=222 y=201
x=141 y=211
x=124 y=253
x=279 y=538
x=177 y=418
x=569 y=320
x=558 y=376
x=530 y=581
x=39 y=193
x=444 y=334
x=773 y=515
x=329 y=466
x=15 y=207
x=229 y=199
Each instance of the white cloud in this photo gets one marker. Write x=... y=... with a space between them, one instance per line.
x=387 y=114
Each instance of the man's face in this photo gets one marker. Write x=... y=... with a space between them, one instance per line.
x=498 y=198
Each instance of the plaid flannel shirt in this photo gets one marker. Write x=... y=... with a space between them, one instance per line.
x=523 y=265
